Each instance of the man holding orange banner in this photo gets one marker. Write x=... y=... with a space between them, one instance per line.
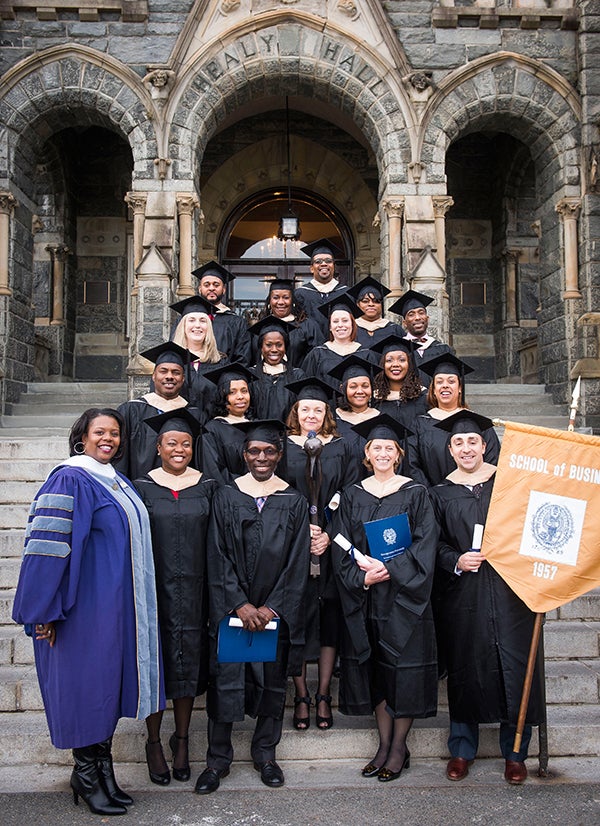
x=484 y=628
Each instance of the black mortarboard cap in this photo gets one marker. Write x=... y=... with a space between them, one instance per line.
x=382 y=427
x=270 y=324
x=230 y=372
x=167 y=353
x=465 y=421
x=391 y=343
x=411 y=300
x=281 y=283
x=272 y=431
x=180 y=420
x=368 y=286
x=214 y=268
x=446 y=363
x=340 y=302
x=324 y=247
x=350 y=367
x=312 y=388
x=194 y=304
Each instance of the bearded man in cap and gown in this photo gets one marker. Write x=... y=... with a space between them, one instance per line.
x=412 y=306
x=484 y=629
x=323 y=285
x=139 y=448
x=231 y=330
x=257 y=571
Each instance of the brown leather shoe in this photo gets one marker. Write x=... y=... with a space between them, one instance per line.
x=515 y=772
x=458 y=768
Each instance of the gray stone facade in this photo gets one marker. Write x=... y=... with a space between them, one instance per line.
x=474 y=122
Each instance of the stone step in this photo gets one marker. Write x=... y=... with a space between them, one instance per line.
x=16 y=648
x=42 y=405
x=18 y=492
x=9 y=573
x=25 y=446
x=24 y=738
x=572 y=681
x=74 y=388
x=11 y=542
x=41 y=420
x=585 y=607
x=7 y=597
x=504 y=389
x=13 y=516
x=25 y=470
x=565 y=639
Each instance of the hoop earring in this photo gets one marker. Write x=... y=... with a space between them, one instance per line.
x=79 y=448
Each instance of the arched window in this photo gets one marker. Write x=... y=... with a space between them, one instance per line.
x=249 y=246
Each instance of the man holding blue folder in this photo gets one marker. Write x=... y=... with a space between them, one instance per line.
x=257 y=570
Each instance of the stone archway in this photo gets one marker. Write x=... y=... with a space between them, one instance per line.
x=517 y=96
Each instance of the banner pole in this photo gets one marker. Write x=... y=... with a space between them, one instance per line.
x=543 y=726
x=533 y=648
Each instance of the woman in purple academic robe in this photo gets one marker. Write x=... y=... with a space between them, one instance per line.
x=87 y=588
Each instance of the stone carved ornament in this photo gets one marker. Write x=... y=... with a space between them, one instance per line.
x=159 y=83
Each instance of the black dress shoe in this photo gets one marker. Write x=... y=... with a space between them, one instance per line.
x=270 y=773
x=210 y=780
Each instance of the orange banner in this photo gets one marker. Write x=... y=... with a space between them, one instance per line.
x=542 y=533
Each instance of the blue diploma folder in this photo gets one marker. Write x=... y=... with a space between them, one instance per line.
x=389 y=537
x=236 y=645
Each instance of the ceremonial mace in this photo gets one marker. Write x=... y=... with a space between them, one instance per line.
x=313 y=447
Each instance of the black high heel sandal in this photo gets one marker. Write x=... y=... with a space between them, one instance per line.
x=160 y=778
x=301 y=723
x=324 y=722
x=183 y=775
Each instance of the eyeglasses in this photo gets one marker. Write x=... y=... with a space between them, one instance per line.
x=320 y=261
x=269 y=452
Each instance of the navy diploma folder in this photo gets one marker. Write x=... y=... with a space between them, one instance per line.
x=389 y=537
x=236 y=645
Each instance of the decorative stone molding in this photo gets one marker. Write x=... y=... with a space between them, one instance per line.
x=230 y=5
x=420 y=88
x=568 y=209
x=162 y=165
x=159 y=81
x=415 y=170
x=488 y=15
x=131 y=11
x=348 y=7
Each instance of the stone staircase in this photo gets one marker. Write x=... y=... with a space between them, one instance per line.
x=34 y=439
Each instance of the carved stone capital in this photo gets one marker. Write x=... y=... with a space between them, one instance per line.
x=441 y=205
x=395 y=208
x=568 y=208
x=511 y=254
x=58 y=252
x=137 y=202
x=7 y=202
x=187 y=202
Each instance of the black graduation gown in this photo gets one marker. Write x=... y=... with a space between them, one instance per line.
x=261 y=558
x=200 y=391
x=404 y=412
x=435 y=349
x=270 y=397
x=484 y=628
x=310 y=299
x=339 y=468
x=223 y=451
x=388 y=649
x=232 y=336
x=429 y=460
x=179 y=532
x=368 y=338
x=322 y=359
x=139 y=447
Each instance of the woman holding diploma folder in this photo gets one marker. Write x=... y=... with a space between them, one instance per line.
x=388 y=652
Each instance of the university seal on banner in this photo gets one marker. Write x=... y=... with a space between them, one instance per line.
x=389 y=536
x=552 y=526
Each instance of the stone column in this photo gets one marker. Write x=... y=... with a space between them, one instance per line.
x=568 y=209
x=7 y=205
x=187 y=202
x=511 y=257
x=137 y=202
x=58 y=256
x=394 y=211
x=441 y=205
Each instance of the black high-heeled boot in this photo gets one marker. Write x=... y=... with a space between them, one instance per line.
x=106 y=773
x=85 y=782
